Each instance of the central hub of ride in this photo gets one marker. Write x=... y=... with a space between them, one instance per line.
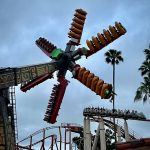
x=56 y=54
x=63 y=58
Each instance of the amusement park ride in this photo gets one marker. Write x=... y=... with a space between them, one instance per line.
x=62 y=61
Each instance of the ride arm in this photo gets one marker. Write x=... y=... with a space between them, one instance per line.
x=26 y=74
x=55 y=100
x=102 y=40
x=46 y=46
x=77 y=25
x=93 y=82
x=99 y=42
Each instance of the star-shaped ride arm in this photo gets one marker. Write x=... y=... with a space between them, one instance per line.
x=31 y=76
x=45 y=46
x=55 y=100
x=105 y=38
x=93 y=82
x=28 y=85
x=77 y=26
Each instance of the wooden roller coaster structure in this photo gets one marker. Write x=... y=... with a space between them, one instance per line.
x=44 y=139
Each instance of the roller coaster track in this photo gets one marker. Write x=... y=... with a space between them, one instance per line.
x=132 y=134
x=51 y=138
x=122 y=114
x=34 y=139
x=38 y=132
x=96 y=113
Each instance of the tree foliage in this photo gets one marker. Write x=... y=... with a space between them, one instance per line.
x=143 y=91
x=113 y=57
x=110 y=140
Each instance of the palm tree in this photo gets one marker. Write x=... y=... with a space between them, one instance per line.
x=113 y=57
x=143 y=92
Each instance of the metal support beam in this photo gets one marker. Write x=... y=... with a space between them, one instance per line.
x=70 y=145
x=96 y=138
x=87 y=134
x=84 y=132
x=60 y=136
x=65 y=139
x=119 y=134
x=102 y=135
x=52 y=142
x=127 y=138
x=30 y=142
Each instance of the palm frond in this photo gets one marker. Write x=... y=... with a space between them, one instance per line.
x=144 y=72
x=107 y=54
x=138 y=95
x=120 y=58
x=143 y=91
x=112 y=51
x=146 y=80
x=147 y=53
x=108 y=60
x=118 y=53
x=145 y=68
x=145 y=98
x=117 y=61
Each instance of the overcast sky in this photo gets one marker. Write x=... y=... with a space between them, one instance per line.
x=22 y=22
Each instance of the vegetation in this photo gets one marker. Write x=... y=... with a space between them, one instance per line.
x=113 y=57
x=110 y=139
x=143 y=92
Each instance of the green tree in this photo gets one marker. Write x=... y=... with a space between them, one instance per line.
x=143 y=92
x=110 y=136
x=113 y=57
